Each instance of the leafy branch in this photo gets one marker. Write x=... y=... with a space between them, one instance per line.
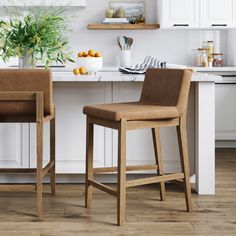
x=41 y=35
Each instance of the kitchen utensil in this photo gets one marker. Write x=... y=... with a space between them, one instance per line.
x=126 y=42
x=118 y=41
x=130 y=42
x=121 y=40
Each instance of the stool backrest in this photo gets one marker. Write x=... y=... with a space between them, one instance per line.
x=28 y=80
x=167 y=87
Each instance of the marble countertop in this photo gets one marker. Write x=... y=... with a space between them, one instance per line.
x=113 y=75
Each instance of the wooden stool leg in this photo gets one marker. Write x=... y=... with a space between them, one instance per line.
x=121 y=197
x=52 y=156
x=40 y=170
x=158 y=155
x=89 y=164
x=183 y=147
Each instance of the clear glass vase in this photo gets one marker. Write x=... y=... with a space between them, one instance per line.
x=26 y=62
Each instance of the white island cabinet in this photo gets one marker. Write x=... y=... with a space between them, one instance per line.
x=70 y=127
x=71 y=93
x=14 y=145
x=226 y=111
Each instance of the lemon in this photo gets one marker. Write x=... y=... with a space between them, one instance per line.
x=91 y=53
x=80 y=54
x=98 y=54
x=82 y=71
x=76 y=71
x=85 y=54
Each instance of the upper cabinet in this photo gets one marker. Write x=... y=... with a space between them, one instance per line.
x=22 y=3
x=178 y=13
x=198 y=14
x=217 y=14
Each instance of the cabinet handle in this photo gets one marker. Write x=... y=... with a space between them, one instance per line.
x=183 y=25
x=219 y=25
x=225 y=83
x=228 y=76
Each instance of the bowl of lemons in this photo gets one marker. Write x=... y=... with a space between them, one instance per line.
x=90 y=61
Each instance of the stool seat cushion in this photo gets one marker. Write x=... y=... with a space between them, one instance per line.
x=131 y=111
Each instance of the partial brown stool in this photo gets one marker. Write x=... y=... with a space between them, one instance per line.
x=163 y=103
x=26 y=97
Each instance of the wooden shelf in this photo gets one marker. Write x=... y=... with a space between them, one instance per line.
x=123 y=26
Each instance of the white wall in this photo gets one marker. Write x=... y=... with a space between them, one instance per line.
x=172 y=46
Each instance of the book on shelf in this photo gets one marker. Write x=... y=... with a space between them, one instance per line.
x=115 y=21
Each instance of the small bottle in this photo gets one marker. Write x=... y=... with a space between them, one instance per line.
x=201 y=55
x=205 y=62
x=218 y=60
x=210 y=48
x=210 y=62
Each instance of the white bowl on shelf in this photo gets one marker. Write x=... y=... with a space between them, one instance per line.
x=91 y=64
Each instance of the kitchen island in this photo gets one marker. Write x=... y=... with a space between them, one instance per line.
x=112 y=86
x=71 y=93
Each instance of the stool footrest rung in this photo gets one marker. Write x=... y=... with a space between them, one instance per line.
x=17 y=170
x=18 y=187
x=102 y=187
x=128 y=168
x=47 y=168
x=155 y=179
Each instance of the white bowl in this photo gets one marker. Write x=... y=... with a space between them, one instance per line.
x=92 y=64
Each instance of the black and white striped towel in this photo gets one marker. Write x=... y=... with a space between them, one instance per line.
x=149 y=62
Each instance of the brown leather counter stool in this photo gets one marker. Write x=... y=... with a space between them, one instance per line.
x=26 y=97
x=163 y=103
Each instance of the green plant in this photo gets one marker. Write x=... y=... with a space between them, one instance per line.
x=41 y=35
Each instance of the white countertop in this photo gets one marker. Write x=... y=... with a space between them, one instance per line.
x=215 y=69
x=113 y=75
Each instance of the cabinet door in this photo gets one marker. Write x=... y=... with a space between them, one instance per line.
x=179 y=13
x=14 y=145
x=217 y=14
x=225 y=112
x=71 y=127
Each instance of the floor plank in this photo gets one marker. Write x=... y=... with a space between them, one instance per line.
x=65 y=214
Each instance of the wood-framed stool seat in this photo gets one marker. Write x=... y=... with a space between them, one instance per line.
x=163 y=103
x=26 y=97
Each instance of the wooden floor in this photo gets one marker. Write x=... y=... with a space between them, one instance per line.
x=65 y=214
